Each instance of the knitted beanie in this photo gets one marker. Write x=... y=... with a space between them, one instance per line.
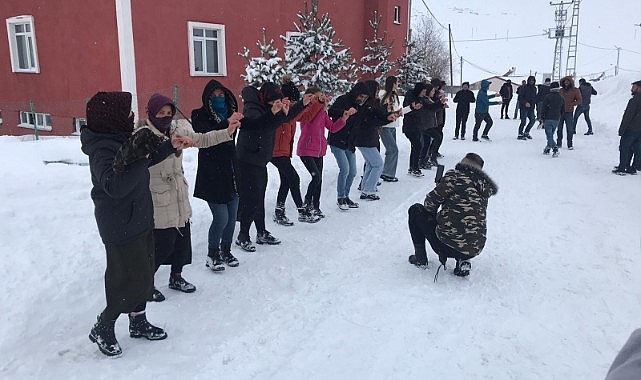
x=108 y=112
x=270 y=92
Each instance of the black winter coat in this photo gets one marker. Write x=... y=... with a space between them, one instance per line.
x=216 y=175
x=366 y=135
x=541 y=92
x=632 y=116
x=463 y=98
x=527 y=94
x=553 y=106
x=344 y=139
x=256 y=135
x=124 y=210
x=422 y=119
x=586 y=93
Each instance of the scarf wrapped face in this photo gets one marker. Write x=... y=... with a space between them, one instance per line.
x=155 y=104
x=219 y=106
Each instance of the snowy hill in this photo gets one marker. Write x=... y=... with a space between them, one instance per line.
x=554 y=295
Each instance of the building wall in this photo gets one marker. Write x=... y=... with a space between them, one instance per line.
x=78 y=48
x=78 y=55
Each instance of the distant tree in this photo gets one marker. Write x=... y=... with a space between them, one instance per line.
x=411 y=65
x=430 y=40
x=377 y=52
x=266 y=67
x=314 y=56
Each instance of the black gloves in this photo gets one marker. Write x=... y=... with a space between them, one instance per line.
x=139 y=145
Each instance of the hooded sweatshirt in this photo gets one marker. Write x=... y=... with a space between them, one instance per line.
x=483 y=99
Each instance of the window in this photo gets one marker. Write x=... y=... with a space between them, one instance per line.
x=22 y=45
x=32 y=120
x=206 y=49
x=78 y=122
x=397 y=14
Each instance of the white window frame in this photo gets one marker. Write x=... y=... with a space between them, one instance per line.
x=397 y=14
x=78 y=122
x=222 y=56
x=32 y=56
x=42 y=120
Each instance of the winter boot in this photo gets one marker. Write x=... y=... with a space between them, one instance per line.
x=546 y=151
x=156 y=296
x=521 y=137
x=279 y=216
x=214 y=261
x=486 y=138
x=228 y=258
x=305 y=215
x=351 y=203
x=177 y=282
x=342 y=204
x=463 y=268
x=265 y=237
x=139 y=327
x=102 y=333
x=555 y=152
x=245 y=244
x=316 y=211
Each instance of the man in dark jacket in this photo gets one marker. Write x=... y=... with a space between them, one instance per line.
x=463 y=99
x=527 y=101
x=552 y=109
x=630 y=132
x=124 y=212
x=263 y=112
x=453 y=216
x=541 y=91
x=506 y=93
x=587 y=91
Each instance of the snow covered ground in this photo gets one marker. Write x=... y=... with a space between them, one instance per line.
x=554 y=295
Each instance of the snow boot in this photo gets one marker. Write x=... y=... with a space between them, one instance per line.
x=214 y=261
x=228 y=258
x=305 y=215
x=102 y=333
x=462 y=268
x=546 y=151
x=156 y=296
x=139 y=327
x=279 y=216
x=245 y=244
x=342 y=204
x=555 y=152
x=351 y=203
x=419 y=264
x=521 y=137
x=177 y=282
x=265 y=237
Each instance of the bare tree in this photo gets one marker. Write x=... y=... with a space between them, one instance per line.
x=429 y=38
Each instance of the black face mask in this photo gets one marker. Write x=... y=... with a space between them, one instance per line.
x=161 y=123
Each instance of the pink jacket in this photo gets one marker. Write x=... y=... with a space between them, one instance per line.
x=312 y=141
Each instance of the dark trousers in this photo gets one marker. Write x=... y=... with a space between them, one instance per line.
x=422 y=226
x=426 y=142
x=479 y=118
x=504 y=108
x=585 y=110
x=568 y=119
x=630 y=144
x=461 y=121
x=129 y=277
x=526 y=113
x=173 y=247
x=289 y=181
x=252 y=184
x=415 y=150
x=314 y=166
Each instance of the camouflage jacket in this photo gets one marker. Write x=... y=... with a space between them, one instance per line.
x=462 y=196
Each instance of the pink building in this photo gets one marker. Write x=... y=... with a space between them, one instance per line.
x=58 y=54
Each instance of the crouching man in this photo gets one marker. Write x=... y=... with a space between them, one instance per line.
x=453 y=216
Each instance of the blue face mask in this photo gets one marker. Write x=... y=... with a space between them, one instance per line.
x=219 y=106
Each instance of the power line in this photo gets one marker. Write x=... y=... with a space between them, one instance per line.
x=432 y=14
x=503 y=38
x=610 y=49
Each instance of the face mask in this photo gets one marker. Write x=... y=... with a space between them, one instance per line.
x=161 y=123
x=219 y=105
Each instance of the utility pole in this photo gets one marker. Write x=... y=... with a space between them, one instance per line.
x=449 y=28
x=461 y=71
x=616 y=68
x=558 y=33
x=570 y=65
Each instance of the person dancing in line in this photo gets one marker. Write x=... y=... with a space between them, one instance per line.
x=391 y=102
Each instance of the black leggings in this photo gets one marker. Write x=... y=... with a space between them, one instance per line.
x=415 y=141
x=314 y=166
x=289 y=181
x=252 y=183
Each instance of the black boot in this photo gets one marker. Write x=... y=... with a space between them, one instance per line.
x=104 y=336
x=280 y=217
x=139 y=327
x=227 y=257
x=214 y=260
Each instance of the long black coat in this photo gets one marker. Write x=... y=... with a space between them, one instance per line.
x=256 y=135
x=216 y=175
x=421 y=119
x=344 y=139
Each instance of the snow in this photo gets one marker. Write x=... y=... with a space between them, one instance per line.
x=554 y=295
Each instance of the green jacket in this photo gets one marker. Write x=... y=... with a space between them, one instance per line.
x=462 y=196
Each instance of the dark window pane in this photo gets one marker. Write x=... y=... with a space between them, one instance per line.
x=198 y=32
x=22 y=52
x=19 y=28
x=198 y=56
x=211 y=33
x=212 y=56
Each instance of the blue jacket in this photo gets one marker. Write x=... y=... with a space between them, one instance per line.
x=483 y=99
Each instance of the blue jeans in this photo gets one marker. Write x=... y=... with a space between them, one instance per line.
x=526 y=113
x=221 y=230
x=550 y=127
x=346 y=160
x=373 y=169
x=585 y=110
x=388 y=138
x=568 y=119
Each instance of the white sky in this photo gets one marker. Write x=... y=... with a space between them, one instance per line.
x=600 y=25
